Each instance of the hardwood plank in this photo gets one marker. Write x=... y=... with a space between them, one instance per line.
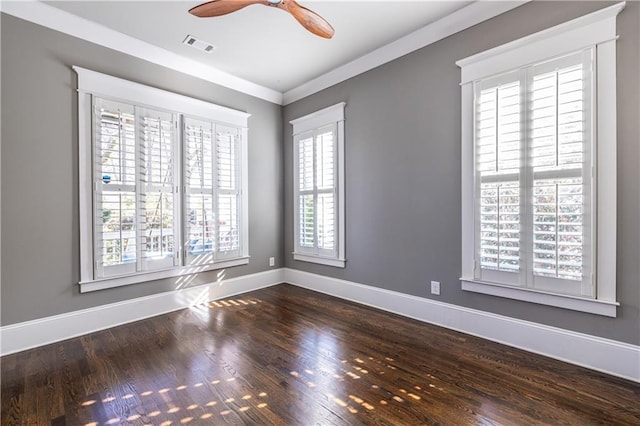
x=288 y=356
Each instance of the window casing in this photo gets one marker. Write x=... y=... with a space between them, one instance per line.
x=162 y=193
x=318 y=141
x=538 y=176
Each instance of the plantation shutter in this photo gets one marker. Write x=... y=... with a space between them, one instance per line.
x=114 y=180
x=560 y=167
x=533 y=176
x=326 y=190
x=498 y=162
x=200 y=217
x=228 y=190
x=159 y=192
x=318 y=185
x=306 y=197
x=316 y=191
x=157 y=204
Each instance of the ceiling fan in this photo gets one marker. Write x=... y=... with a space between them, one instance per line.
x=308 y=18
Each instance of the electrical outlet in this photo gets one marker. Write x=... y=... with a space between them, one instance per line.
x=435 y=288
x=272 y=261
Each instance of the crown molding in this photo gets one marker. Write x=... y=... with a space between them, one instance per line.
x=65 y=22
x=460 y=20
x=59 y=20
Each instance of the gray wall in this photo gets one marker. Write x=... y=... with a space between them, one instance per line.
x=40 y=229
x=403 y=171
x=402 y=163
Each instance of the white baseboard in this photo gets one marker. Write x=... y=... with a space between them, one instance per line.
x=605 y=355
x=30 y=334
x=609 y=356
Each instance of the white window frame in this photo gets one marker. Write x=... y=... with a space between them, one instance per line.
x=94 y=84
x=598 y=30
x=310 y=124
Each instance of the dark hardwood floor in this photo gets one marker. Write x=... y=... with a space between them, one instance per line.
x=288 y=356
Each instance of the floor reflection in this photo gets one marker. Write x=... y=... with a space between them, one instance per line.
x=291 y=357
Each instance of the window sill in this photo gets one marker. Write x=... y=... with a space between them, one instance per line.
x=598 y=307
x=119 y=281
x=338 y=263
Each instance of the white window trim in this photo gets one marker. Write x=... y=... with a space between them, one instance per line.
x=92 y=83
x=330 y=115
x=596 y=29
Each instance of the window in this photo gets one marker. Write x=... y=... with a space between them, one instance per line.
x=538 y=164
x=134 y=194
x=212 y=191
x=162 y=193
x=318 y=141
x=533 y=175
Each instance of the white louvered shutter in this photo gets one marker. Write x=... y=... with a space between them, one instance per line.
x=306 y=198
x=560 y=167
x=114 y=188
x=498 y=162
x=200 y=218
x=157 y=203
x=228 y=191
x=533 y=176
x=326 y=191
x=316 y=192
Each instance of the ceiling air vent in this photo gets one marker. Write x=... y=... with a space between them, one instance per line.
x=198 y=44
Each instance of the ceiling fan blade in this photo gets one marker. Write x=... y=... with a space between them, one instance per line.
x=308 y=18
x=222 y=7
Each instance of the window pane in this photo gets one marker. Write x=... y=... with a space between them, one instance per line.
x=116 y=145
x=158 y=146
x=226 y=157
x=305 y=164
x=117 y=227
x=228 y=222
x=326 y=221
x=306 y=221
x=500 y=226
x=201 y=224
x=325 y=159
x=498 y=129
x=557 y=119
x=558 y=228
x=199 y=161
x=157 y=235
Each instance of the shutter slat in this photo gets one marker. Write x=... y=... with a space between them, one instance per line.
x=157 y=164
x=558 y=144
x=499 y=236
x=306 y=221
x=115 y=172
x=228 y=190
x=305 y=164
x=200 y=225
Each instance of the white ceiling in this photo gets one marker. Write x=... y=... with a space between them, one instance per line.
x=261 y=44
